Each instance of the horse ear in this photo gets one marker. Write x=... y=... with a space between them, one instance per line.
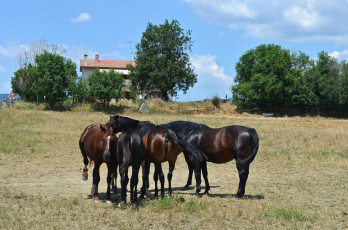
x=117 y=117
x=102 y=127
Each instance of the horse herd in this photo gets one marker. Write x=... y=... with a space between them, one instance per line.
x=142 y=143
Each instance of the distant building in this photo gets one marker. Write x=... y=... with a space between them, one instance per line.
x=87 y=67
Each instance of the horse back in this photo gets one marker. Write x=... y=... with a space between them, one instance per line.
x=223 y=144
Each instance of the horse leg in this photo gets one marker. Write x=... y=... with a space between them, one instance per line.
x=197 y=170
x=134 y=182
x=205 y=176
x=155 y=178
x=96 y=179
x=190 y=167
x=114 y=180
x=124 y=183
x=146 y=171
x=170 y=176
x=85 y=162
x=109 y=179
x=243 y=172
x=161 y=177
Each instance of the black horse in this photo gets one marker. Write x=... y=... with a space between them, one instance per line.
x=143 y=140
x=220 y=145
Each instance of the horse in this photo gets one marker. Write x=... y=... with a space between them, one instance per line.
x=144 y=141
x=162 y=145
x=220 y=145
x=98 y=143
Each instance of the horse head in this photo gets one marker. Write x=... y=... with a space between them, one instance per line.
x=121 y=124
x=108 y=140
x=115 y=123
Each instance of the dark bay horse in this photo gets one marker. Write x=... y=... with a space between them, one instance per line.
x=220 y=145
x=98 y=143
x=143 y=140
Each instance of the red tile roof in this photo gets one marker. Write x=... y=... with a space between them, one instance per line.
x=105 y=64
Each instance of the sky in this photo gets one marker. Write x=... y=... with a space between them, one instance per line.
x=222 y=31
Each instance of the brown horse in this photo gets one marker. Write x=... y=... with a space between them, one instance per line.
x=161 y=145
x=142 y=140
x=220 y=145
x=98 y=143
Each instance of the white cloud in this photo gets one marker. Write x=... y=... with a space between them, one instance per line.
x=83 y=17
x=12 y=50
x=340 y=55
x=205 y=65
x=292 y=20
x=211 y=79
x=2 y=69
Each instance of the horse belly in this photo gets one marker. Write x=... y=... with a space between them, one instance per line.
x=220 y=157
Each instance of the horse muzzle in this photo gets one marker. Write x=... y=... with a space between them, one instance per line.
x=106 y=156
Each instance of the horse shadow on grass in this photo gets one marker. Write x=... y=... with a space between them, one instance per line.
x=179 y=191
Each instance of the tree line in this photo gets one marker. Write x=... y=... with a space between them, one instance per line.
x=268 y=77
x=272 y=78
x=162 y=69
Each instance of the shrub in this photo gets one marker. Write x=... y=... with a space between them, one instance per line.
x=216 y=101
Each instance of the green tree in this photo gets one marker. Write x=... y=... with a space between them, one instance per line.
x=323 y=81
x=105 y=85
x=55 y=74
x=267 y=77
x=50 y=76
x=162 y=63
x=25 y=83
x=343 y=101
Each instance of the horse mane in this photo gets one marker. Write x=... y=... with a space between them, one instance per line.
x=184 y=125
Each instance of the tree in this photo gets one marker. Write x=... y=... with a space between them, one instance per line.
x=267 y=77
x=323 y=81
x=105 y=85
x=51 y=76
x=162 y=64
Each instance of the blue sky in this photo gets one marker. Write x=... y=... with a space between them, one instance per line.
x=222 y=31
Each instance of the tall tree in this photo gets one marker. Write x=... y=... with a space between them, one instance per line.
x=51 y=76
x=267 y=77
x=105 y=85
x=323 y=81
x=162 y=63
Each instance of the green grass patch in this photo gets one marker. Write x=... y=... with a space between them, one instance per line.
x=288 y=214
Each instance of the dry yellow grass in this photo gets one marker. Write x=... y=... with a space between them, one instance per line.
x=299 y=179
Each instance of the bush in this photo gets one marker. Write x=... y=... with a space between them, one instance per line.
x=216 y=101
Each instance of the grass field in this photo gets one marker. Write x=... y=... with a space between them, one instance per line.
x=298 y=180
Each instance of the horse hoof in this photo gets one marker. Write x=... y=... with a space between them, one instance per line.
x=84 y=178
x=96 y=201
x=108 y=202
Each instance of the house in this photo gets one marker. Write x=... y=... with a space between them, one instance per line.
x=87 y=67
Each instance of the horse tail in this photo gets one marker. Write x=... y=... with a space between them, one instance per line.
x=166 y=140
x=126 y=155
x=254 y=146
x=195 y=154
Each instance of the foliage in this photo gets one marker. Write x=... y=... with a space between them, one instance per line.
x=162 y=63
x=105 y=85
x=52 y=76
x=324 y=82
x=216 y=101
x=55 y=74
x=270 y=77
